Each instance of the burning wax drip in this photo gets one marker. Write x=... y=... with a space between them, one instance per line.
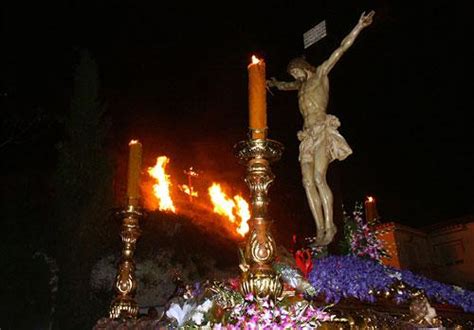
x=257 y=98
x=134 y=170
x=161 y=188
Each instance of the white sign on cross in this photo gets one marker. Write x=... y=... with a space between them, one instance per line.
x=314 y=34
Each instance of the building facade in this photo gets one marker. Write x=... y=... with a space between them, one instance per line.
x=443 y=252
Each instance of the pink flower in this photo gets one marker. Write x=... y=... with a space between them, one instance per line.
x=249 y=296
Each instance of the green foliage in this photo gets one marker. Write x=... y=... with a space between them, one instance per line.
x=362 y=238
x=349 y=228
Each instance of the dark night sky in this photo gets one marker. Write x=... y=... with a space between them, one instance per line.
x=175 y=77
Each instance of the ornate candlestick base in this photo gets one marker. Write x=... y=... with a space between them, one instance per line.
x=124 y=304
x=258 y=276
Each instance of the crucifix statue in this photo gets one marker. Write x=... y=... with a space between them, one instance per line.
x=321 y=142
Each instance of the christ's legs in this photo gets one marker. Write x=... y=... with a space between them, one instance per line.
x=314 y=200
x=320 y=168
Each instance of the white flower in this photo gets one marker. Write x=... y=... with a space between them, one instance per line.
x=458 y=289
x=267 y=315
x=205 y=306
x=396 y=275
x=276 y=312
x=198 y=318
x=181 y=315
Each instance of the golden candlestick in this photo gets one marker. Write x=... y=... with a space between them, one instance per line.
x=124 y=304
x=258 y=276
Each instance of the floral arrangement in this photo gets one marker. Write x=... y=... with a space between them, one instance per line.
x=304 y=261
x=440 y=292
x=361 y=238
x=307 y=302
x=338 y=277
x=221 y=306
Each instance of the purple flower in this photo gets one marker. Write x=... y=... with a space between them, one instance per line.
x=338 y=277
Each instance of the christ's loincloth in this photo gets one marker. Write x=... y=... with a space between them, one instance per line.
x=323 y=135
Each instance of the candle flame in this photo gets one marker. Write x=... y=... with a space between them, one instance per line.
x=133 y=142
x=370 y=199
x=255 y=59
